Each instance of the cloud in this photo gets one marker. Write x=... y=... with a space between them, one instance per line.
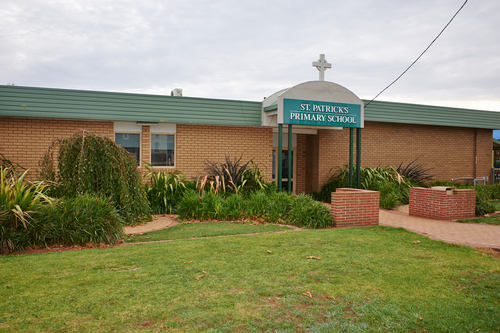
x=250 y=49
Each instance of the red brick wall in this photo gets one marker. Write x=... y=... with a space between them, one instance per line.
x=197 y=143
x=437 y=204
x=355 y=208
x=449 y=150
x=25 y=140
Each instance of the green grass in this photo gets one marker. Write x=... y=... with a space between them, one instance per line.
x=205 y=229
x=496 y=204
x=493 y=220
x=367 y=280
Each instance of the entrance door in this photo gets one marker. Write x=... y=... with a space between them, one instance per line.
x=285 y=173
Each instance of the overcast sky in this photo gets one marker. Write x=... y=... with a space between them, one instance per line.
x=247 y=50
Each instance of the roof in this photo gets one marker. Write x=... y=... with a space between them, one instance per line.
x=496 y=144
x=18 y=101
x=404 y=113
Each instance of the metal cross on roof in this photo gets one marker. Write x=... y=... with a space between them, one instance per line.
x=322 y=65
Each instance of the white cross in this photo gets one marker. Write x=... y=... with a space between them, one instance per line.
x=322 y=65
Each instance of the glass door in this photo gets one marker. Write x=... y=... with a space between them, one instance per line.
x=285 y=173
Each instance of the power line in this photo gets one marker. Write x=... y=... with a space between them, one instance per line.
x=413 y=63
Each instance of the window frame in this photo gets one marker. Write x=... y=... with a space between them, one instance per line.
x=140 y=143
x=151 y=151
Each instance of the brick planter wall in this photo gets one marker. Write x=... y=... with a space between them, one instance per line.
x=437 y=204
x=355 y=208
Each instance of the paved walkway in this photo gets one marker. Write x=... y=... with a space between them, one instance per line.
x=159 y=222
x=471 y=234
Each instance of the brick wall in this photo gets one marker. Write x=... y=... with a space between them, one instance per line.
x=197 y=143
x=442 y=205
x=25 y=140
x=355 y=208
x=449 y=150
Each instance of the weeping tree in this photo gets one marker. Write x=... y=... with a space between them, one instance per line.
x=90 y=164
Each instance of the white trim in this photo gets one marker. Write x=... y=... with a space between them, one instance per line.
x=285 y=140
x=126 y=126
x=164 y=128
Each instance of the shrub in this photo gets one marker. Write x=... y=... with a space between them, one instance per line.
x=483 y=205
x=165 y=190
x=189 y=207
x=18 y=200
x=80 y=220
x=212 y=207
x=11 y=167
x=89 y=164
x=254 y=178
x=235 y=207
x=416 y=172
x=494 y=191
x=232 y=176
x=272 y=206
x=376 y=179
x=390 y=196
x=258 y=204
x=306 y=212
x=280 y=204
x=226 y=176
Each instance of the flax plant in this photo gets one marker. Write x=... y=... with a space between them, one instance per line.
x=227 y=176
x=164 y=190
x=18 y=200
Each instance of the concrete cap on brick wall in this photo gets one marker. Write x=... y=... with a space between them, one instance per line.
x=449 y=190
x=354 y=190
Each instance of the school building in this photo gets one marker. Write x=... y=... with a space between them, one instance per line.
x=178 y=132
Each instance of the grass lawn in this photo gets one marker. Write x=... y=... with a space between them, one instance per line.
x=377 y=279
x=205 y=229
x=494 y=220
x=496 y=204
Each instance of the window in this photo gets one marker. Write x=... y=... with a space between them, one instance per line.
x=162 y=149
x=131 y=142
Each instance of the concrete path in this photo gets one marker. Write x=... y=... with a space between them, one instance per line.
x=471 y=234
x=159 y=222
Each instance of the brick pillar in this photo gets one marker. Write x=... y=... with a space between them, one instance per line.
x=442 y=204
x=355 y=208
x=146 y=145
x=300 y=177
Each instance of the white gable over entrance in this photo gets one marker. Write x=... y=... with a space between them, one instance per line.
x=308 y=95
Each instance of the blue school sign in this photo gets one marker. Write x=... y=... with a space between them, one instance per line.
x=320 y=113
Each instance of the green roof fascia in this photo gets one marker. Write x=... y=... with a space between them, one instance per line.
x=271 y=107
x=17 y=101
x=496 y=144
x=403 y=113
